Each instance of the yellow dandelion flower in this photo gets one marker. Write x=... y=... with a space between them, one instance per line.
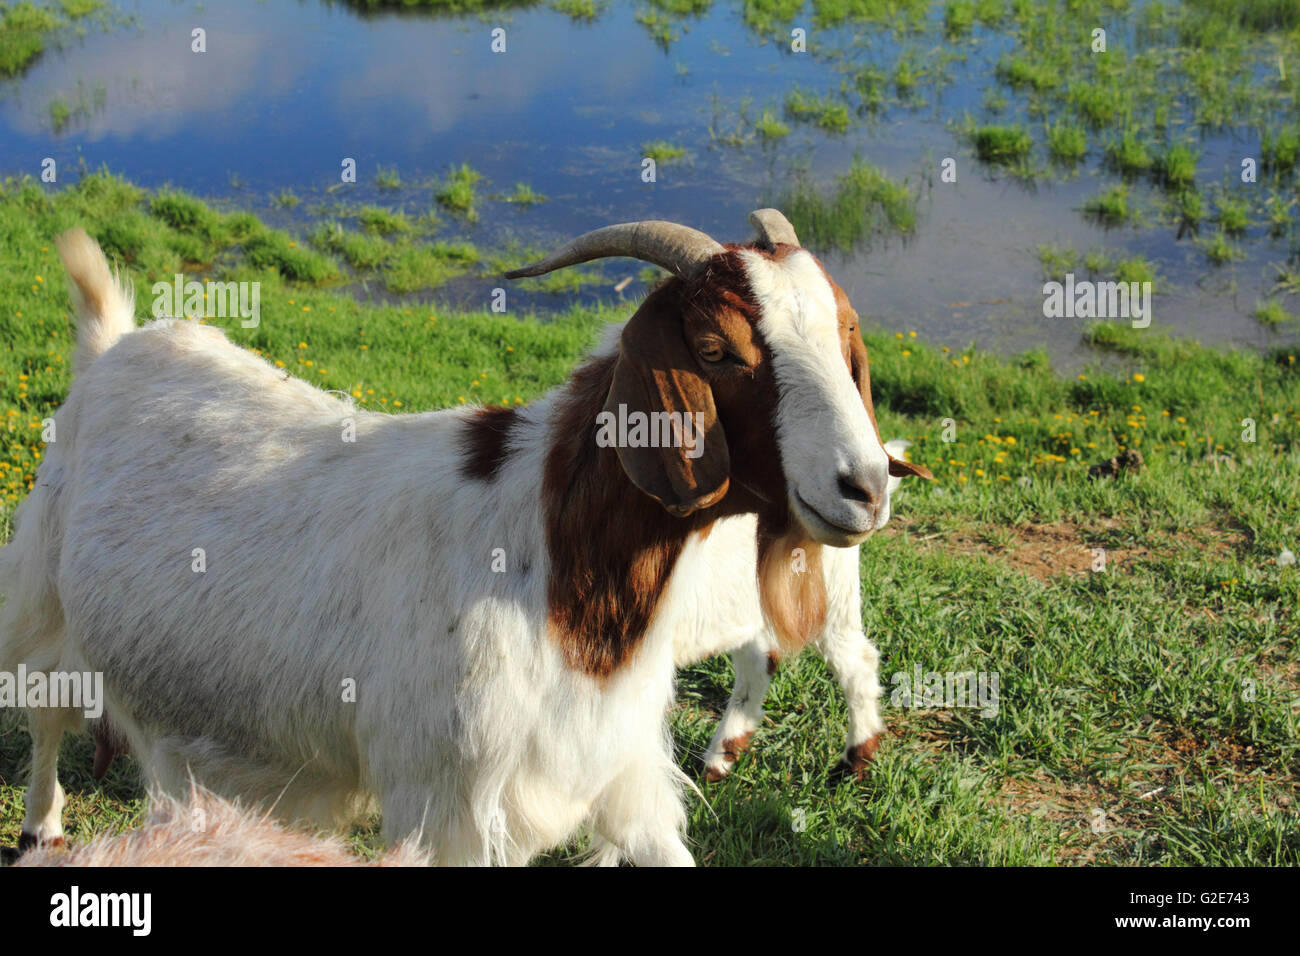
x=1139 y=377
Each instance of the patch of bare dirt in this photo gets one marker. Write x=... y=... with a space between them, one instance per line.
x=1046 y=551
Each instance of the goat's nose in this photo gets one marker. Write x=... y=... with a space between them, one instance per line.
x=852 y=490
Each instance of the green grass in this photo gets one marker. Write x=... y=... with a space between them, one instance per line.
x=662 y=151
x=525 y=195
x=865 y=202
x=458 y=192
x=1111 y=207
x=824 y=112
x=1233 y=216
x=388 y=178
x=1001 y=145
x=1128 y=155
x=769 y=127
x=1219 y=249
x=1122 y=690
x=1272 y=312
x=1175 y=168
x=1067 y=142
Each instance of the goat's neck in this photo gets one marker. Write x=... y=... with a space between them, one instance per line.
x=612 y=547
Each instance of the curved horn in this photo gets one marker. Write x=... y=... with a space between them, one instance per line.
x=681 y=250
x=773 y=227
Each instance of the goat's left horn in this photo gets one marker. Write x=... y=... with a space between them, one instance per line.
x=773 y=227
x=681 y=250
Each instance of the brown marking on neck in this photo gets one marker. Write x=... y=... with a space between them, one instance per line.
x=611 y=546
x=484 y=441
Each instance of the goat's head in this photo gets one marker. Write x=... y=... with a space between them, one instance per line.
x=762 y=349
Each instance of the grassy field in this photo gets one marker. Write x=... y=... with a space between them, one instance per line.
x=1147 y=713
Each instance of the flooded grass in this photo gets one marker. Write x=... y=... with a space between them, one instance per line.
x=458 y=192
x=865 y=202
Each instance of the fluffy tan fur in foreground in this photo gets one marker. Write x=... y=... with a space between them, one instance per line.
x=209 y=831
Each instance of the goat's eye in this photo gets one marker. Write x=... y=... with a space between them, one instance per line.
x=712 y=351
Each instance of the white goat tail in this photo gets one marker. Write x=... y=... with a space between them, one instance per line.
x=104 y=303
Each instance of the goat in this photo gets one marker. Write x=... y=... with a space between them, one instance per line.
x=303 y=605
x=729 y=619
x=205 y=830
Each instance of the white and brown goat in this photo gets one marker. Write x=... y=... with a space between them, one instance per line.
x=350 y=636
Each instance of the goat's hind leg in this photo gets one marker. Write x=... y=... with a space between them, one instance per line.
x=754 y=662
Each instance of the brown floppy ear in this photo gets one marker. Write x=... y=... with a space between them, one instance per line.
x=656 y=373
x=862 y=376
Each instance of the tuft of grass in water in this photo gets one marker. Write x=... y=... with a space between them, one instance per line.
x=380 y=221
x=1175 y=168
x=1022 y=73
x=825 y=112
x=1261 y=15
x=1232 y=215
x=1272 y=312
x=60 y=114
x=287 y=200
x=958 y=18
x=1057 y=261
x=1111 y=207
x=1280 y=215
x=525 y=195
x=1128 y=155
x=581 y=10
x=1190 y=209
x=662 y=151
x=386 y=178
x=25 y=28
x=870 y=81
x=1067 y=142
x=769 y=127
x=1219 y=250
x=1280 y=151
x=864 y=201
x=660 y=27
x=1136 y=269
x=1001 y=145
x=459 y=191
x=1099 y=106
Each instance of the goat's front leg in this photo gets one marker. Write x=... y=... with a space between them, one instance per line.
x=639 y=817
x=755 y=663
x=43 y=821
x=855 y=662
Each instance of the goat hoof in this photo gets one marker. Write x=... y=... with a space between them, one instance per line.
x=27 y=841
x=856 y=762
x=715 y=774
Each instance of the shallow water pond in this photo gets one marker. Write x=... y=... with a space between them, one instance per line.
x=286 y=91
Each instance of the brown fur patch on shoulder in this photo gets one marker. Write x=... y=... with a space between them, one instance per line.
x=483 y=441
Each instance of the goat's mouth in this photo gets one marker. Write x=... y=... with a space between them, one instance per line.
x=823 y=529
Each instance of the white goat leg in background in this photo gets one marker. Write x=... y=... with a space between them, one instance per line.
x=843 y=643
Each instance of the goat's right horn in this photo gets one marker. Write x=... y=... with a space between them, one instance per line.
x=772 y=227
x=681 y=250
